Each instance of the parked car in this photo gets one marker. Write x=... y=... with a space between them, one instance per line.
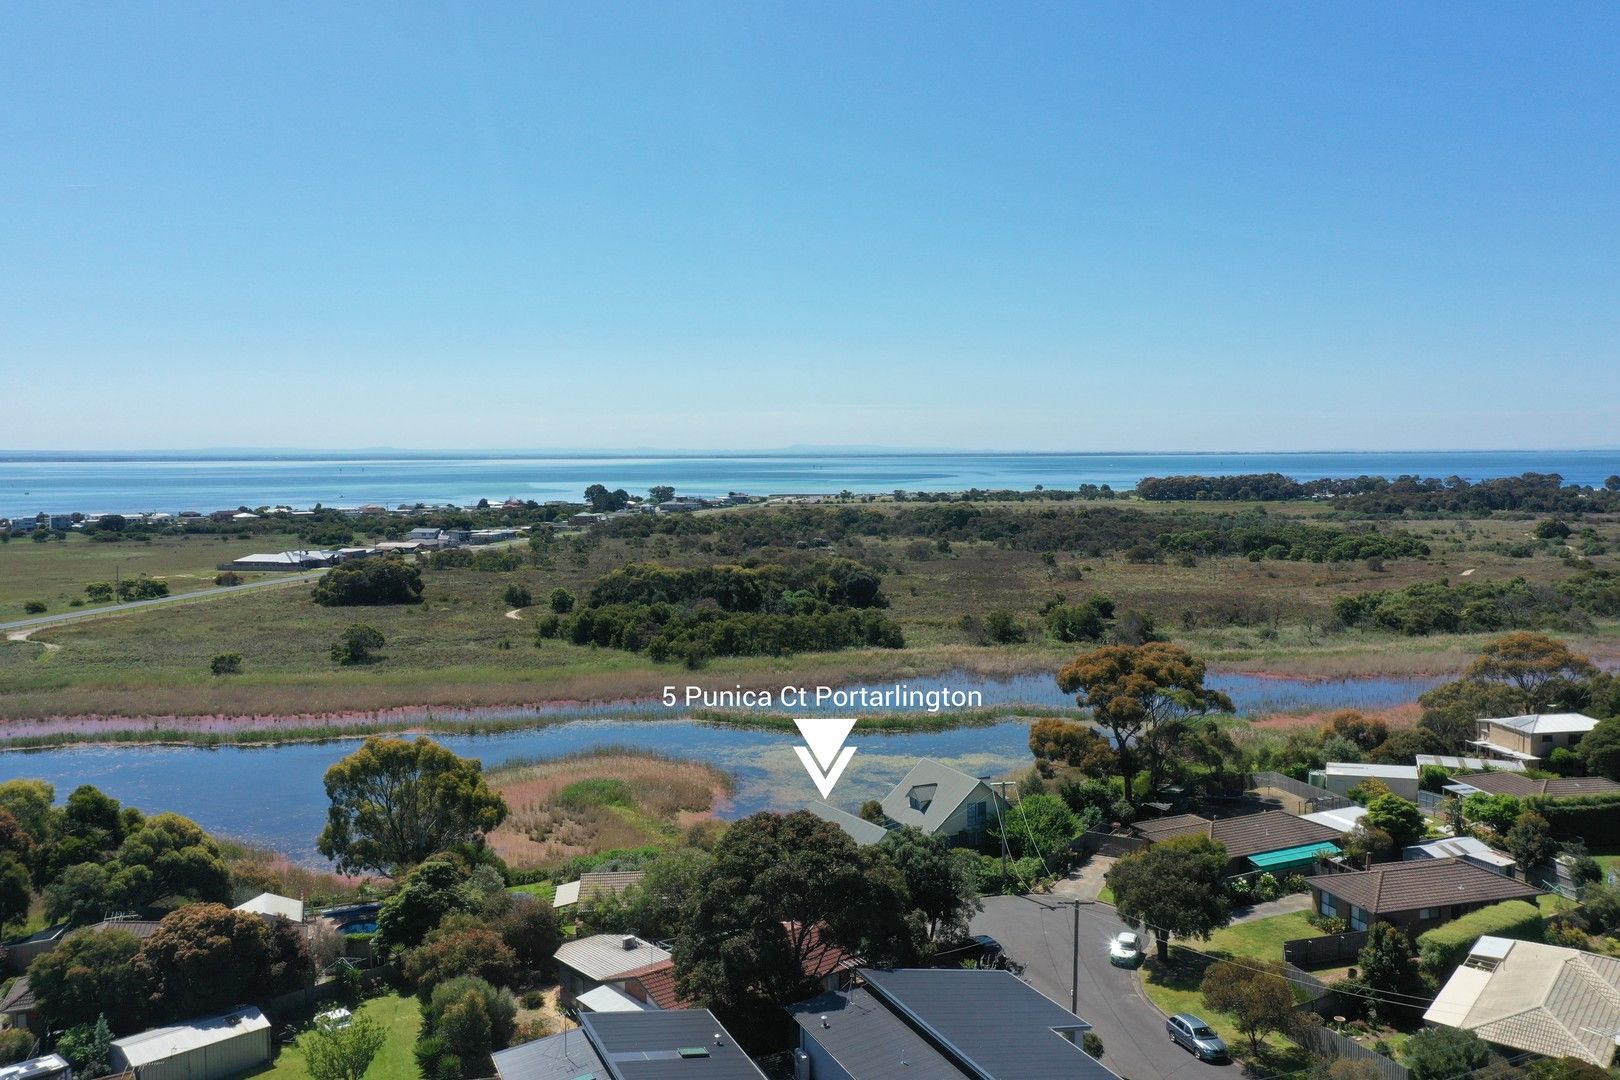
x=1125 y=950
x=1196 y=1036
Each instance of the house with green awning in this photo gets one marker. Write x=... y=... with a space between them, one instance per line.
x=1272 y=841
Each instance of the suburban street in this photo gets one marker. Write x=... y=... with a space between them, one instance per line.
x=1111 y=999
x=40 y=622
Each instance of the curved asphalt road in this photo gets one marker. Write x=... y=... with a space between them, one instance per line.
x=40 y=622
x=1111 y=999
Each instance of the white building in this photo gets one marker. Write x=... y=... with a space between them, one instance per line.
x=272 y=906
x=206 y=1049
x=1340 y=776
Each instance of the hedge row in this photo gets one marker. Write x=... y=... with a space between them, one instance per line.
x=1593 y=818
x=1447 y=946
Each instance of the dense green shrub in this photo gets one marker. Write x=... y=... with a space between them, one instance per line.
x=770 y=587
x=1440 y=950
x=369 y=582
x=1439 y=607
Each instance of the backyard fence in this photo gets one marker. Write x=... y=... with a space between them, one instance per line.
x=1306 y=798
x=1097 y=842
x=1309 y=986
x=1328 y=949
x=1325 y=1042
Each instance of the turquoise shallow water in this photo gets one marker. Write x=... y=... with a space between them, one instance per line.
x=64 y=483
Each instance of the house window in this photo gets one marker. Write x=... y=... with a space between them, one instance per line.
x=921 y=797
x=1358 y=918
x=1330 y=905
x=978 y=814
x=1545 y=739
x=1428 y=913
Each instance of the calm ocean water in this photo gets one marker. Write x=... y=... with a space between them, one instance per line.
x=91 y=483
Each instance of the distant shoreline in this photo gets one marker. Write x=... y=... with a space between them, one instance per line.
x=116 y=482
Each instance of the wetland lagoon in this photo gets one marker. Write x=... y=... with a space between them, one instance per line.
x=271 y=796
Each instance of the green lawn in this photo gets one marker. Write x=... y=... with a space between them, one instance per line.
x=399 y=1016
x=1261 y=939
x=540 y=890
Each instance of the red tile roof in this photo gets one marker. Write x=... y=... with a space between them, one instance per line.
x=658 y=980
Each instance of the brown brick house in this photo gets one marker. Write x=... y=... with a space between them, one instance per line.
x=1413 y=895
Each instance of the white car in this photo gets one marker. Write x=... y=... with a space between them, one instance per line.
x=1125 y=950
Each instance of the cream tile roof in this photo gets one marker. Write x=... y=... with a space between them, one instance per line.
x=1541 y=998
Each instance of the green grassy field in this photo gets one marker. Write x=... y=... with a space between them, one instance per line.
x=57 y=572
x=400 y=1016
x=460 y=649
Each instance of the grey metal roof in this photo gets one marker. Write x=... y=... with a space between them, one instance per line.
x=868 y=1040
x=650 y=1045
x=944 y=787
x=602 y=956
x=860 y=830
x=989 y=1024
x=559 y=1057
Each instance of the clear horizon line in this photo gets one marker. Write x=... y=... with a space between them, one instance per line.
x=851 y=449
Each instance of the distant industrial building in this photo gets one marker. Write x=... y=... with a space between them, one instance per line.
x=282 y=560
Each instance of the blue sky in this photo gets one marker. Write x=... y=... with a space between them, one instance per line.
x=1121 y=226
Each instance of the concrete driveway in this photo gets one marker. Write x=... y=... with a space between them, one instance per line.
x=1111 y=999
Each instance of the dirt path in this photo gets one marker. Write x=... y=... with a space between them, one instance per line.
x=22 y=635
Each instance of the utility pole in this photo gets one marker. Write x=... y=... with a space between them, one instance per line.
x=1074 y=990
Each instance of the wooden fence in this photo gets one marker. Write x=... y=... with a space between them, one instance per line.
x=1325 y=1042
x=1329 y=949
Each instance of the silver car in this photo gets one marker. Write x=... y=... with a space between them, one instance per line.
x=1192 y=1033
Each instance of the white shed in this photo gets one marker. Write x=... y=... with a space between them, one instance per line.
x=273 y=906
x=205 y=1049
x=1340 y=776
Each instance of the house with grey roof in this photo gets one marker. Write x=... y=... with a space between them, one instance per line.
x=1541 y=999
x=589 y=962
x=944 y=802
x=858 y=829
x=941 y=1024
x=1531 y=738
x=679 y=1044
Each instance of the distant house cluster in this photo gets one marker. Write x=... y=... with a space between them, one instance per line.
x=416 y=541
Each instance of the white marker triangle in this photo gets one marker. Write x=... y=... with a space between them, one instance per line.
x=825 y=782
x=825 y=736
